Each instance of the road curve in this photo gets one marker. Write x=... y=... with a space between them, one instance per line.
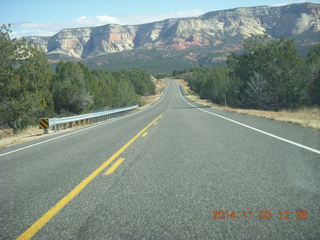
x=173 y=171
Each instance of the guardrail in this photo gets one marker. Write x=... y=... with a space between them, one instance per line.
x=67 y=122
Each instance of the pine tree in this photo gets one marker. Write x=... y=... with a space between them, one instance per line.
x=25 y=77
x=313 y=63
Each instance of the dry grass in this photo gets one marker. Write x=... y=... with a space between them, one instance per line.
x=7 y=137
x=307 y=117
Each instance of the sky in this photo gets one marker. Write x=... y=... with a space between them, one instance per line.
x=46 y=18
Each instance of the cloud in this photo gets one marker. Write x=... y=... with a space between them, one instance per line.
x=32 y=32
x=85 y=21
x=50 y=28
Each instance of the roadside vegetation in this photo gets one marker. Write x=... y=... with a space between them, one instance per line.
x=304 y=116
x=29 y=89
x=267 y=76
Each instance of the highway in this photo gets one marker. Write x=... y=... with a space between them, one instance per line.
x=173 y=171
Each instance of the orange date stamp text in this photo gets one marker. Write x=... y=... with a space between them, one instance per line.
x=262 y=214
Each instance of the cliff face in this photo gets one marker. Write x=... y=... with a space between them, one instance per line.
x=213 y=28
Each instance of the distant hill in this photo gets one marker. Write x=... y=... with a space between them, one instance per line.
x=206 y=39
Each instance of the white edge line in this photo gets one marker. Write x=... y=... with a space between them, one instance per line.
x=252 y=128
x=87 y=128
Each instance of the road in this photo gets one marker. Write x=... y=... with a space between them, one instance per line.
x=179 y=168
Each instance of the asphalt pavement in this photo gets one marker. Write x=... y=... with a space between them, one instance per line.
x=173 y=171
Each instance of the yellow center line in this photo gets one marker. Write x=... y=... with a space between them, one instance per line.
x=145 y=134
x=155 y=123
x=35 y=227
x=114 y=166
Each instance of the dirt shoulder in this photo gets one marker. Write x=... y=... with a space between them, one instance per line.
x=149 y=100
x=8 y=138
x=306 y=117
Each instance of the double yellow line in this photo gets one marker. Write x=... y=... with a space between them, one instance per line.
x=34 y=228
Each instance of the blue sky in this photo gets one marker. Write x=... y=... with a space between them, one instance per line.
x=36 y=17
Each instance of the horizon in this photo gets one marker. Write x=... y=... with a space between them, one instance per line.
x=38 y=22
